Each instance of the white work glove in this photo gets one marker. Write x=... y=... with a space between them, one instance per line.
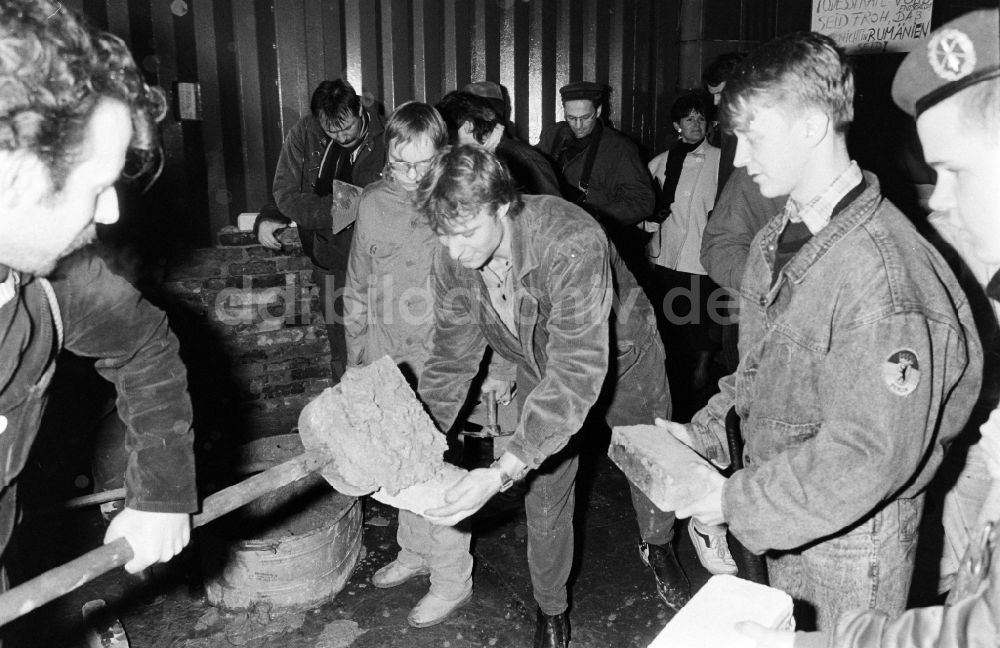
x=154 y=537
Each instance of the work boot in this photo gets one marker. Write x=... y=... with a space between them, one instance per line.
x=396 y=573
x=712 y=547
x=551 y=631
x=671 y=583
x=432 y=609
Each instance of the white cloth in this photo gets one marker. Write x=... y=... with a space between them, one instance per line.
x=676 y=243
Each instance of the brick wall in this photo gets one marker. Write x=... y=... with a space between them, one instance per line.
x=252 y=334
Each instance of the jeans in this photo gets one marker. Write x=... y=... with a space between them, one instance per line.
x=444 y=550
x=640 y=394
x=868 y=566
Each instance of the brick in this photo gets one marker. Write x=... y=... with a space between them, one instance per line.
x=260 y=266
x=285 y=264
x=270 y=391
x=231 y=237
x=316 y=371
x=659 y=465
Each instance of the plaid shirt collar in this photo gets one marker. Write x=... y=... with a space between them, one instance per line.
x=817 y=212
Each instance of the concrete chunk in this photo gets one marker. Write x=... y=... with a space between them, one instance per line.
x=375 y=430
x=659 y=465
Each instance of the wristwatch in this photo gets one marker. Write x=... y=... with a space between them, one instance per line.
x=506 y=481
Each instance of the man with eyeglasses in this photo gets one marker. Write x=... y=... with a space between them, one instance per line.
x=389 y=310
x=327 y=157
x=600 y=169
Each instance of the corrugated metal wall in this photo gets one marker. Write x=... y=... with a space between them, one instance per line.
x=257 y=62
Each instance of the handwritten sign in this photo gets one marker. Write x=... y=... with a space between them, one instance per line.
x=873 y=26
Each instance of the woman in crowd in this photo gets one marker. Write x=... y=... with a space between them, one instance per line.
x=686 y=174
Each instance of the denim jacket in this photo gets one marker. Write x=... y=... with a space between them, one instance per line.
x=568 y=282
x=103 y=317
x=856 y=368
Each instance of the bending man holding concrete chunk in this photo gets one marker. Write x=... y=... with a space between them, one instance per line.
x=859 y=358
x=535 y=278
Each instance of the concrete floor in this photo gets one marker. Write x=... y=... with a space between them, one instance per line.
x=613 y=599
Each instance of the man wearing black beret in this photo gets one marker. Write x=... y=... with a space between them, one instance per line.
x=600 y=169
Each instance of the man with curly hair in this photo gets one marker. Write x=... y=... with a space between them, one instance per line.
x=73 y=106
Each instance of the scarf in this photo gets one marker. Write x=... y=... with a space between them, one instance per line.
x=671 y=175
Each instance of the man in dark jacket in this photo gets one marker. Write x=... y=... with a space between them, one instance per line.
x=618 y=191
x=471 y=119
x=534 y=278
x=327 y=158
x=63 y=83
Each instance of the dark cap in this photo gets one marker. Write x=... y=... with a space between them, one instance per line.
x=961 y=53
x=487 y=89
x=582 y=90
x=492 y=92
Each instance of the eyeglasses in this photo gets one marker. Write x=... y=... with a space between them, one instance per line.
x=403 y=168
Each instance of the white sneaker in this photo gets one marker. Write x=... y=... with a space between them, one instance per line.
x=396 y=573
x=432 y=609
x=712 y=548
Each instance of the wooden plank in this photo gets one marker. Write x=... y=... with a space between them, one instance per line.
x=333 y=36
x=293 y=74
x=628 y=62
x=270 y=95
x=352 y=39
x=536 y=65
x=315 y=44
x=369 y=24
x=256 y=181
x=589 y=41
x=508 y=71
x=463 y=44
x=479 y=39
x=388 y=90
x=564 y=37
x=449 y=77
x=419 y=50
x=118 y=19
x=615 y=54
x=434 y=47
x=221 y=208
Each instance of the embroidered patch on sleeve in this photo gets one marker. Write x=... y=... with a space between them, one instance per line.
x=901 y=372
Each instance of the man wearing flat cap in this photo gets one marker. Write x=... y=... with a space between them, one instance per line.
x=951 y=84
x=600 y=168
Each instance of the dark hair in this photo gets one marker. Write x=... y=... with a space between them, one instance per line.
x=54 y=70
x=720 y=68
x=334 y=101
x=795 y=72
x=685 y=103
x=462 y=181
x=412 y=120
x=458 y=107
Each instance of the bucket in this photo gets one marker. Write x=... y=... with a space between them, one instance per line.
x=295 y=547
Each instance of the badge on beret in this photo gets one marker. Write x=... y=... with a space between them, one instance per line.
x=901 y=372
x=951 y=54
